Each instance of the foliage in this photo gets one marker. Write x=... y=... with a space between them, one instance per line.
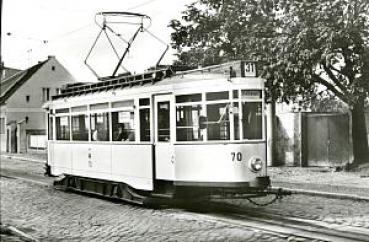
x=302 y=44
x=308 y=49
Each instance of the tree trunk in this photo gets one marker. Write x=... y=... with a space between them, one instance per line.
x=359 y=135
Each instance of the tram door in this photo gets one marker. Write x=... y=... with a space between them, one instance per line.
x=164 y=149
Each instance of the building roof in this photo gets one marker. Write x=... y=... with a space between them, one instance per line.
x=7 y=72
x=11 y=84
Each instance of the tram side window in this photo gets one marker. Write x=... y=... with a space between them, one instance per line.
x=123 y=126
x=164 y=121
x=252 y=120
x=99 y=127
x=188 y=123
x=145 y=124
x=62 y=128
x=218 y=121
x=80 y=127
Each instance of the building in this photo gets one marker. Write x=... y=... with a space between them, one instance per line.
x=22 y=120
x=320 y=135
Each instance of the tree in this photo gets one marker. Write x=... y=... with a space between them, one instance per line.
x=305 y=47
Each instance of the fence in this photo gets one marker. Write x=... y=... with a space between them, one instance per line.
x=313 y=139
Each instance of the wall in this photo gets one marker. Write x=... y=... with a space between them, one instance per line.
x=3 y=135
x=288 y=139
x=312 y=139
x=51 y=75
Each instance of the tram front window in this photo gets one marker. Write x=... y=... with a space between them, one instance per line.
x=252 y=120
x=164 y=121
x=188 y=123
x=218 y=121
x=99 y=127
x=123 y=126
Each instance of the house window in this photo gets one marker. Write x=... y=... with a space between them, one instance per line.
x=2 y=125
x=53 y=68
x=27 y=98
x=45 y=94
x=57 y=91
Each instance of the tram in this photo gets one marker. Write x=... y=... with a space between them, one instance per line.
x=190 y=134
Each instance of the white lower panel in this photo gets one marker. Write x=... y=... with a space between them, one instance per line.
x=92 y=160
x=61 y=161
x=217 y=162
x=164 y=161
x=132 y=164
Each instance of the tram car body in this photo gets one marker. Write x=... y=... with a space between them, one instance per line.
x=196 y=133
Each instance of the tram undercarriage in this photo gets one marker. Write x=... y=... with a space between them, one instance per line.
x=166 y=192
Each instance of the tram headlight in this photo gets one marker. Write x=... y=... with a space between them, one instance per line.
x=255 y=164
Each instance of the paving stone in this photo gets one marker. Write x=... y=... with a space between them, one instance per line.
x=50 y=215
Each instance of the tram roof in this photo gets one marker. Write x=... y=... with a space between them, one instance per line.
x=163 y=76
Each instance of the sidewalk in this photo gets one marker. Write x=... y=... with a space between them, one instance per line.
x=319 y=181
x=35 y=156
x=322 y=181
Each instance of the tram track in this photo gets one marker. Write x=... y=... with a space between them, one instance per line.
x=279 y=224
x=245 y=217
x=23 y=176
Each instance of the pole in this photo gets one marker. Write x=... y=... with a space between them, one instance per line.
x=1 y=37
x=1 y=27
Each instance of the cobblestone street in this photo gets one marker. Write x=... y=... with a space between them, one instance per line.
x=34 y=207
x=51 y=215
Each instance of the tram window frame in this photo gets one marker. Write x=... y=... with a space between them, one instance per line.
x=254 y=120
x=82 y=134
x=50 y=126
x=62 y=135
x=187 y=125
x=256 y=97
x=125 y=134
x=215 y=123
x=236 y=120
x=144 y=113
x=99 y=134
x=163 y=121
x=216 y=96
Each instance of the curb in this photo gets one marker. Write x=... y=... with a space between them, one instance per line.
x=10 y=230
x=325 y=194
x=23 y=158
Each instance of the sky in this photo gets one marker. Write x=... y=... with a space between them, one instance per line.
x=66 y=29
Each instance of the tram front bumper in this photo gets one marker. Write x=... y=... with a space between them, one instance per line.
x=260 y=182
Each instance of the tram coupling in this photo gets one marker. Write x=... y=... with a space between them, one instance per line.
x=279 y=192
